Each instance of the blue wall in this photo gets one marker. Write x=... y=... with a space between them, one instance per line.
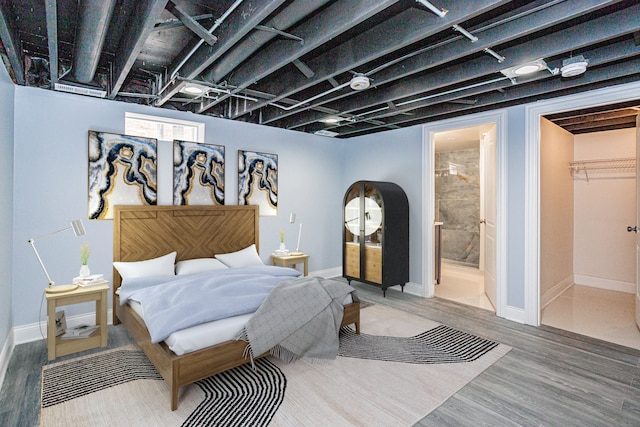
x=6 y=206
x=393 y=156
x=51 y=187
x=50 y=175
x=49 y=133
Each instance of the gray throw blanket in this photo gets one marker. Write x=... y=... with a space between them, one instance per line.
x=299 y=318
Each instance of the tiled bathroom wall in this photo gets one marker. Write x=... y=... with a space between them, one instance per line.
x=457 y=187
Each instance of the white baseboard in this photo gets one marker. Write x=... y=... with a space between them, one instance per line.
x=413 y=289
x=327 y=273
x=515 y=314
x=612 y=285
x=556 y=291
x=410 y=287
x=5 y=356
x=37 y=331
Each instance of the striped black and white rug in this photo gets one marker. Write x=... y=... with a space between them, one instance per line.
x=402 y=368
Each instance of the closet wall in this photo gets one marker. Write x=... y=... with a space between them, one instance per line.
x=583 y=222
x=556 y=211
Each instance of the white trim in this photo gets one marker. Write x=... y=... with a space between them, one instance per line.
x=556 y=291
x=166 y=120
x=5 y=356
x=428 y=188
x=533 y=112
x=611 y=285
x=37 y=331
x=498 y=117
x=514 y=314
x=327 y=273
x=409 y=288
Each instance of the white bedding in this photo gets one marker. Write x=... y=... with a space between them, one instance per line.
x=206 y=334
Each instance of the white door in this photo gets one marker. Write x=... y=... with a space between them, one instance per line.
x=637 y=221
x=488 y=211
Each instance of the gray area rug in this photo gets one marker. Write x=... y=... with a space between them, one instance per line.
x=415 y=371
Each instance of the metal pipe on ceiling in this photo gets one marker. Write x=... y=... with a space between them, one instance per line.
x=217 y=23
x=94 y=17
x=284 y=20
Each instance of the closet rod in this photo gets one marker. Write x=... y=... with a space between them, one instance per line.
x=616 y=165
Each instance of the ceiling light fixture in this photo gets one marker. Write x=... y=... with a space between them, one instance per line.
x=192 y=89
x=360 y=82
x=574 y=66
x=527 y=68
x=331 y=120
x=324 y=132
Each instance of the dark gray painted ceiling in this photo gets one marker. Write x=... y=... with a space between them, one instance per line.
x=289 y=63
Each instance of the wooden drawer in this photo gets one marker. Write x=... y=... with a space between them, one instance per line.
x=352 y=260
x=373 y=264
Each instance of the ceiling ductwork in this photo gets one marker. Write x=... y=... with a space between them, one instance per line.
x=94 y=20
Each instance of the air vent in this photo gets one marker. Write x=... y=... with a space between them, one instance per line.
x=80 y=90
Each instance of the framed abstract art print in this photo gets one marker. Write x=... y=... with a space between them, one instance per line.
x=122 y=171
x=198 y=173
x=258 y=181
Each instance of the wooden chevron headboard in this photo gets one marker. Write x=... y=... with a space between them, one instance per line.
x=145 y=232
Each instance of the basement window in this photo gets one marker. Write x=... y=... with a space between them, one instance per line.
x=163 y=128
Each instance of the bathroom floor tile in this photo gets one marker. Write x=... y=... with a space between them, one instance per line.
x=464 y=285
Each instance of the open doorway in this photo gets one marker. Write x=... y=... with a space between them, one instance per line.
x=587 y=256
x=533 y=214
x=465 y=214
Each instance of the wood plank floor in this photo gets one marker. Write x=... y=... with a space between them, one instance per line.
x=550 y=378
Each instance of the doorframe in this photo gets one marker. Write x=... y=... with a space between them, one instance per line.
x=533 y=114
x=498 y=117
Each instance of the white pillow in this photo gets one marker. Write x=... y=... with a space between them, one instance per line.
x=198 y=265
x=161 y=266
x=242 y=258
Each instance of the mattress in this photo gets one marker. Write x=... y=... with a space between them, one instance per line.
x=207 y=334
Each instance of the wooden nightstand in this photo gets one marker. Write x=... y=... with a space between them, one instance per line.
x=58 y=347
x=291 y=261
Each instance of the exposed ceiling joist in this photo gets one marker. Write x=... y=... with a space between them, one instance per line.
x=395 y=33
x=11 y=42
x=395 y=79
x=51 y=13
x=372 y=65
x=600 y=56
x=322 y=28
x=242 y=19
x=523 y=92
x=290 y=16
x=191 y=23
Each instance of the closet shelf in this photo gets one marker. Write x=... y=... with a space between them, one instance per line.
x=619 y=165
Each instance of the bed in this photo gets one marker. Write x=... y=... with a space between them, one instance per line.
x=146 y=232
